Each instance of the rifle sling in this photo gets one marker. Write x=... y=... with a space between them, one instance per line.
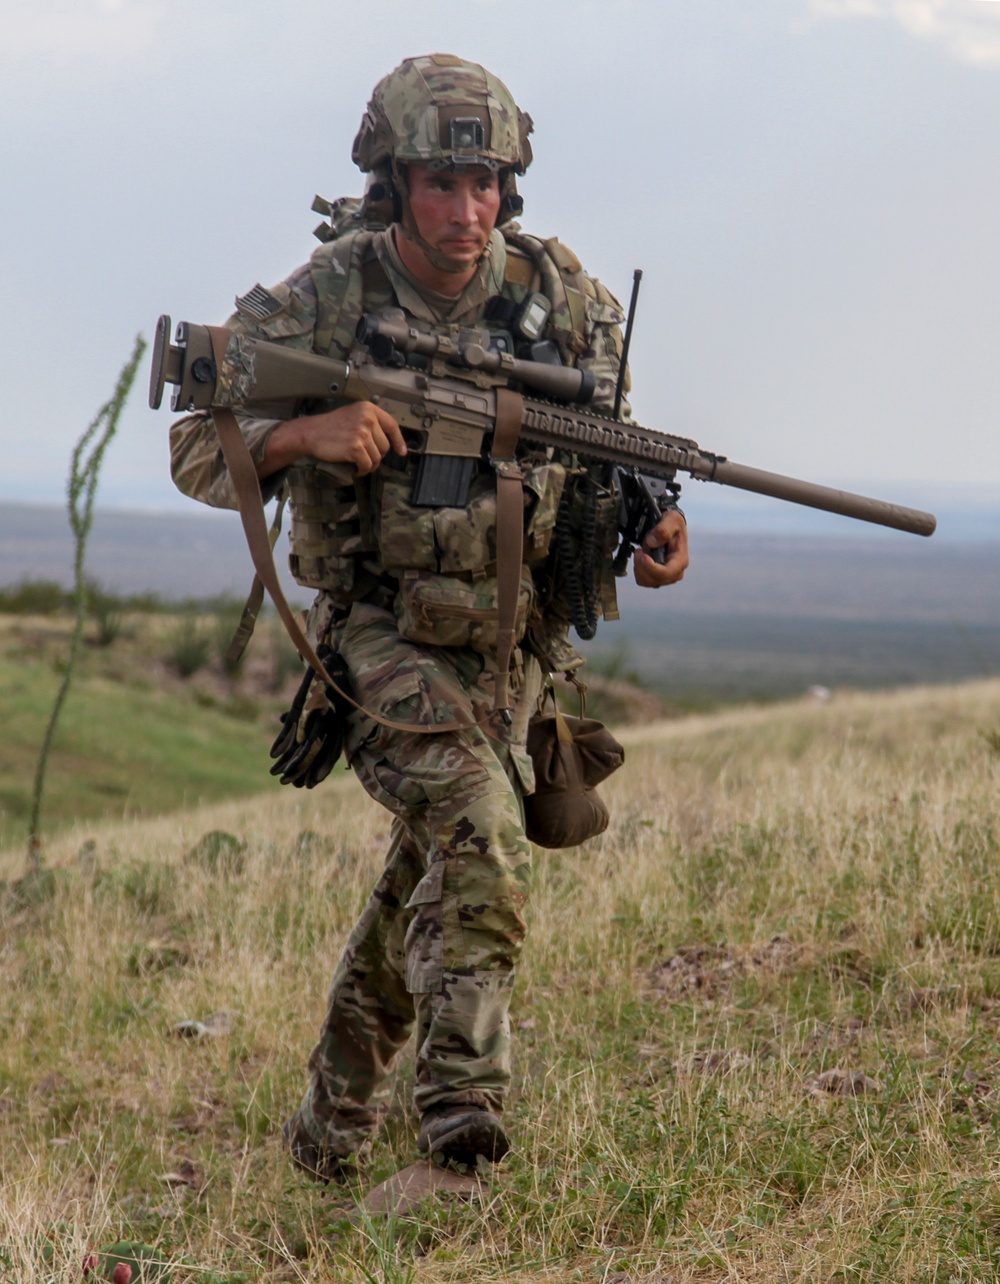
x=510 y=535
x=255 y=598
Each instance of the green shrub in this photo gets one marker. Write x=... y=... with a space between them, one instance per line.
x=106 y=608
x=228 y=613
x=188 y=646
x=35 y=597
x=285 y=660
x=220 y=852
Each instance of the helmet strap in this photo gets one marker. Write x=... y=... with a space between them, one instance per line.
x=511 y=204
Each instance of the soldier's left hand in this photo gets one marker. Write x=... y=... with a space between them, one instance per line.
x=670 y=533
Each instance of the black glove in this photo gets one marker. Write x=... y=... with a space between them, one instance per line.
x=312 y=731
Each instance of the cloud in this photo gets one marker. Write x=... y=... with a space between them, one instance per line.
x=56 y=33
x=969 y=29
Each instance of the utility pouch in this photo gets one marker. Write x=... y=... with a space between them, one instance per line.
x=571 y=756
x=456 y=541
x=448 y=610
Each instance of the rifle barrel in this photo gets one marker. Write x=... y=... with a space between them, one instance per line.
x=824 y=497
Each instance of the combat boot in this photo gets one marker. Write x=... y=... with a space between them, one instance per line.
x=455 y=1133
x=313 y=1158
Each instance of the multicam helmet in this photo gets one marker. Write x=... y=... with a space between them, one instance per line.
x=441 y=111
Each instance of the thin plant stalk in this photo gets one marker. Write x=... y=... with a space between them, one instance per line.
x=85 y=468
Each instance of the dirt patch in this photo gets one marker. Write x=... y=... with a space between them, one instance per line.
x=707 y=971
x=929 y=998
x=972 y=1091
x=833 y=1038
x=715 y=1061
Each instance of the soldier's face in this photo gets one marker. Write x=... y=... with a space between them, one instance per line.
x=455 y=212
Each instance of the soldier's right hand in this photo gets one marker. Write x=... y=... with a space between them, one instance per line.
x=360 y=433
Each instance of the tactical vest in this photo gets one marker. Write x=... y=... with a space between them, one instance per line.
x=359 y=539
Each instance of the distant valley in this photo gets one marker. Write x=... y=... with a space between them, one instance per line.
x=761 y=614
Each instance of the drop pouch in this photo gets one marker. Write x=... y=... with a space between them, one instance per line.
x=571 y=756
x=448 y=610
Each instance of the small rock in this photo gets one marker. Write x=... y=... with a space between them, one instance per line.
x=844 y=1083
x=185 y=1175
x=712 y=1060
x=214 y=1025
x=404 y=1192
x=190 y=1030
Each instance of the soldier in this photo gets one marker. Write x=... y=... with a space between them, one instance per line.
x=405 y=596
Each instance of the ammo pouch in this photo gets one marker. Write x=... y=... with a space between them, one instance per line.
x=449 y=610
x=571 y=756
x=447 y=559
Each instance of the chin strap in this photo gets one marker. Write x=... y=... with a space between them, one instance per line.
x=443 y=262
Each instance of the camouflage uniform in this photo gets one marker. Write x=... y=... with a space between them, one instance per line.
x=438 y=941
x=436 y=947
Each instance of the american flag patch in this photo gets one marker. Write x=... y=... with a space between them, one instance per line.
x=259 y=304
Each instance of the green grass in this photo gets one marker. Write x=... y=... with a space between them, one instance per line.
x=138 y=735
x=119 y=750
x=783 y=893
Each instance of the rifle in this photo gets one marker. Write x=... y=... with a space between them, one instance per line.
x=451 y=394
x=444 y=390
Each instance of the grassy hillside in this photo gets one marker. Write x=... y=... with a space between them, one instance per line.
x=756 y=1027
x=135 y=737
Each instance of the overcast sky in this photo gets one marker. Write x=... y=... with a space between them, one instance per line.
x=812 y=188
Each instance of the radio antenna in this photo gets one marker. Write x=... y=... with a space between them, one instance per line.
x=620 y=386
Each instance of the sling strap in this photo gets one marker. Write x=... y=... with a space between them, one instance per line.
x=255 y=598
x=510 y=535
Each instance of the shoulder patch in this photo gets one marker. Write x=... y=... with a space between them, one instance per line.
x=259 y=304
